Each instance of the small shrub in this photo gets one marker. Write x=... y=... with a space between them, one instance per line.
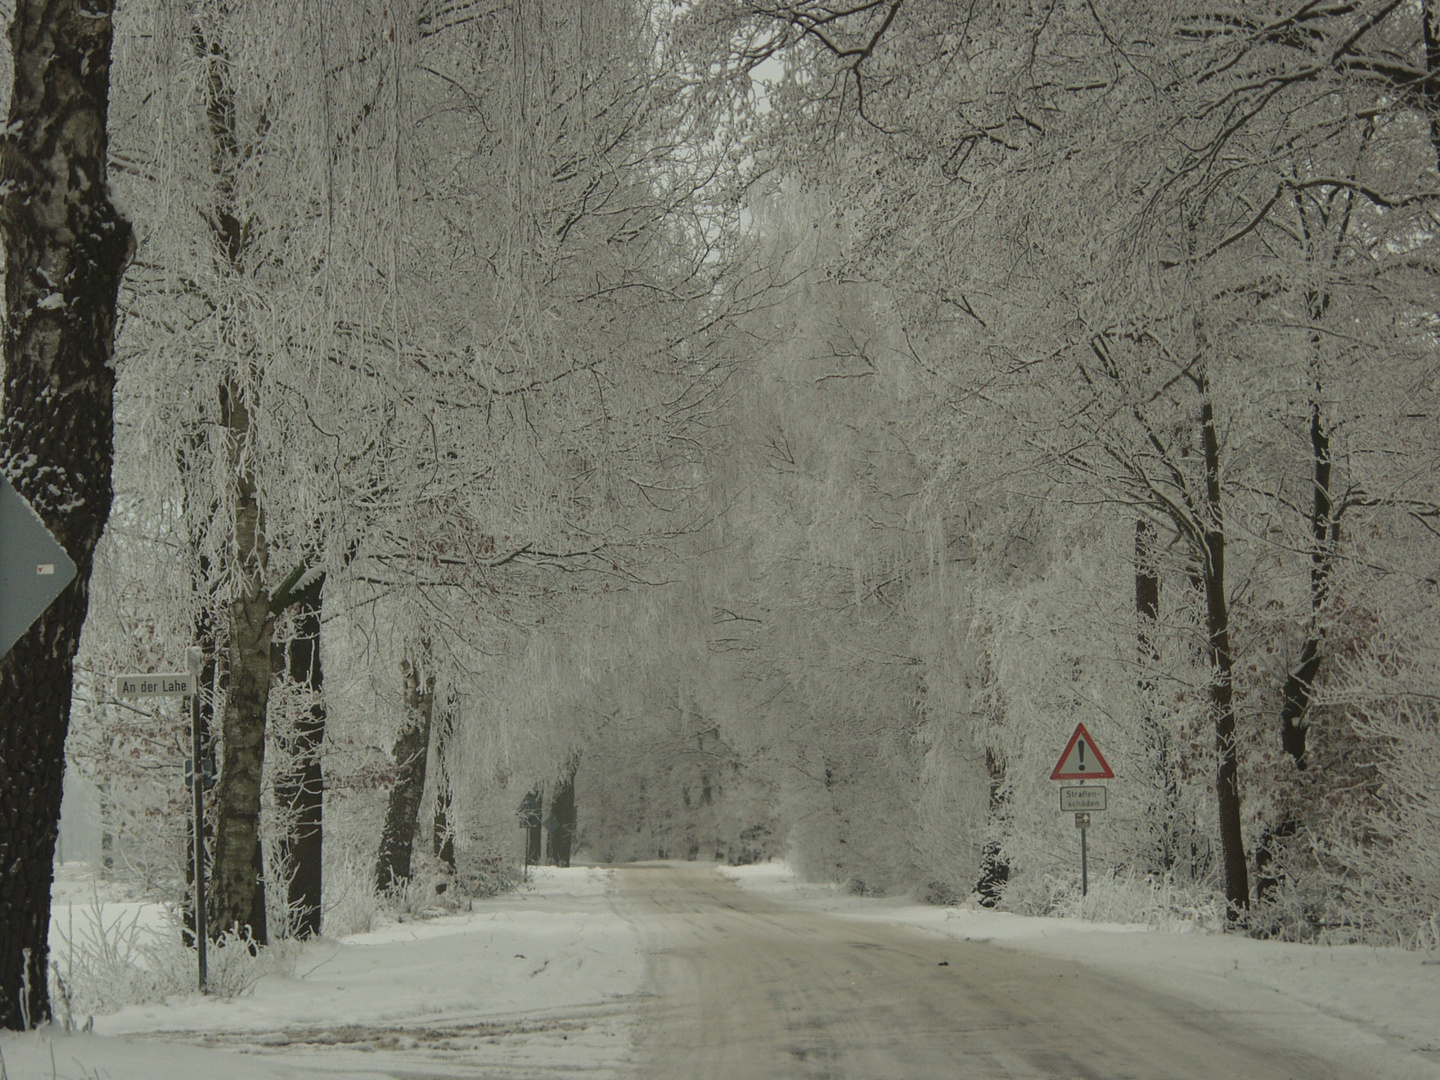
x=483 y=872
x=1120 y=897
x=112 y=959
x=940 y=893
x=350 y=901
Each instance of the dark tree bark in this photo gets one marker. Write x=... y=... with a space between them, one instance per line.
x=1164 y=808
x=562 y=809
x=443 y=836
x=1429 y=87
x=300 y=786
x=107 y=838
x=994 y=868
x=1324 y=534
x=66 y=248
x=239 y=884
x=1222 y=696
x=531 y=822
x=397 y=839
x=205 y=640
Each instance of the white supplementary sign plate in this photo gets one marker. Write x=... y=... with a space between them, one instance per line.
x=1082 y=798
x=155 y=684
x=1082 y=759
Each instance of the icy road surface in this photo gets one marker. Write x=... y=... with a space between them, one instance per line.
x=675 y=972
x=753 y=989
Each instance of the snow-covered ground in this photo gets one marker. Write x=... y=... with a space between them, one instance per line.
x=528 y=985
x=1379 y=1007
x=548 y=982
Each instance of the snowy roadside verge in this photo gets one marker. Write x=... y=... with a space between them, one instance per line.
x=1374 y=1010
x=538 y=982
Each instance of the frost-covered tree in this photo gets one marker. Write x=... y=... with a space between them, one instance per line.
x=1150 y=251
x=227 y=317
x=465 y=381
x=565 y=400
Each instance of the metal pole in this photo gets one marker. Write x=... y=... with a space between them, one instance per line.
x=197 y=788
x=1084 y=869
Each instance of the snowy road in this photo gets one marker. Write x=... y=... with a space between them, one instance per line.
x=674 y=972
x=748 y=989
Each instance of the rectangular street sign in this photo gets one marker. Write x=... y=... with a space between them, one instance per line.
x=1082 y=798
x=155 y=684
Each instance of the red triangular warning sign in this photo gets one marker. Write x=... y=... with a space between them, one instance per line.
x=1081 y=760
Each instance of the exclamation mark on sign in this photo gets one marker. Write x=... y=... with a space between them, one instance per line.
x=1082 y=755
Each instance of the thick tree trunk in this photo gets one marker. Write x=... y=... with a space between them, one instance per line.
x=239 y=886
x=1299 y=688
x=443 y=836
x=66 y=249
x=1147 y=589
x=531 y=822
x=206 y=641
x=994 y=868
x=1164 y=808
x=300 y=786
x=1324 y=533
x=562 y=810
x=397 y=839
x=1222 y=698
x=1430 y=17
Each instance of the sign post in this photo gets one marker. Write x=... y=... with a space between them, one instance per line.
x=195 y=662
x=184 y=684
x=1082 y=761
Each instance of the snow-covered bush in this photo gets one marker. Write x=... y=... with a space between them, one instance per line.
x=1118 y=897
x=350 y=900
x=1361 y=863
x=115 y=955
x=482 y=870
